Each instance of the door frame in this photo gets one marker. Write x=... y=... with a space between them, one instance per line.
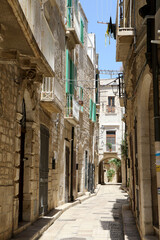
x=67 y=145
x=43 y=182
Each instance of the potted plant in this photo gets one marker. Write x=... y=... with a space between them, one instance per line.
x=109 y=145
x=80 y=102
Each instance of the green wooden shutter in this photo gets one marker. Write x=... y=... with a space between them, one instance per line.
x=90 y=108
x=82 y=31
x=71 y=77
x=69 y=13
x=67 y=71
x=94 y=112
x=69 y=3
x=75 y=76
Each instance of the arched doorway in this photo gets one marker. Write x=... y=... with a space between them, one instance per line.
x=25 y=152
x=43 y=170
x=145 y=152
x=21 y=171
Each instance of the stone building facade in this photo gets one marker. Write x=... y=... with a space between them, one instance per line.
x=138 y=48
x=41 y=135
x=111 y=129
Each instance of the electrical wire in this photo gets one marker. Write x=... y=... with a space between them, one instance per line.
x=82 y=80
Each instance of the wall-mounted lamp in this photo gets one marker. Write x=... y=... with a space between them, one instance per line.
x=115 y=87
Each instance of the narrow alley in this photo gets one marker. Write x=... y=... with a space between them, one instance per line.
x=98 y=218
x=79 y=119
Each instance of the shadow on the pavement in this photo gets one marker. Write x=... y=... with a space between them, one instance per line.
x=113 y=223
x=37 y=226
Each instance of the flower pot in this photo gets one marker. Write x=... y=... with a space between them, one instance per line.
x=80 y=102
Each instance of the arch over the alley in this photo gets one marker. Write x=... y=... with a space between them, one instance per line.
x=105 y=158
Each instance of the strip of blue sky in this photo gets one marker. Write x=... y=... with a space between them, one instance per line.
x=102 y=10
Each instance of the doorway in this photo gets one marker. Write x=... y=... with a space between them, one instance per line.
x=43 y=170
x=67 y=152
x=21 y=172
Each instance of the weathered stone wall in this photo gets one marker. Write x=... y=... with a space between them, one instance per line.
x=8 y=131
x=15 y=89
x=139 y=106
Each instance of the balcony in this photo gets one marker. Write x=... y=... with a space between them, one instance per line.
x=34 y=14
x=110 y=153
x=110 y=109
x=72 y=25
x=52 y=95
x=72 y=110
x=125 y=29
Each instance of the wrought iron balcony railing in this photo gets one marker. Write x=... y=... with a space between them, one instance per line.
x=40 y=29
x=110 y=109
x=52 y=95
x=125 y=28
x=73 y=24
x=72 y=110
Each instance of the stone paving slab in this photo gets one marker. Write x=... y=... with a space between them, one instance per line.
x=129 y=224
x=77 y=221
x=95 y=219
x=34 y=230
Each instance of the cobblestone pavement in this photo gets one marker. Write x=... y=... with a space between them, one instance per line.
x=98 y=218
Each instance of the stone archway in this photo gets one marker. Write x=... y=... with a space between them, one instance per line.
x=143 y=143
x=27 y=207
x=102 y=168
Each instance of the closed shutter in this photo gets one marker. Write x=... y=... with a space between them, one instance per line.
x=75 y=76
x=71 y=77
x=67 y=71
x=82 y=31
x=90 y=108
x=69 y=13
x=69 y=3
x=93 y=112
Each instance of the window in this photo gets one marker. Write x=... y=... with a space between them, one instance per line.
x=111 y=101
x=71 y=74
x=96 y=84
x=111 y=141
x=110 y=108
